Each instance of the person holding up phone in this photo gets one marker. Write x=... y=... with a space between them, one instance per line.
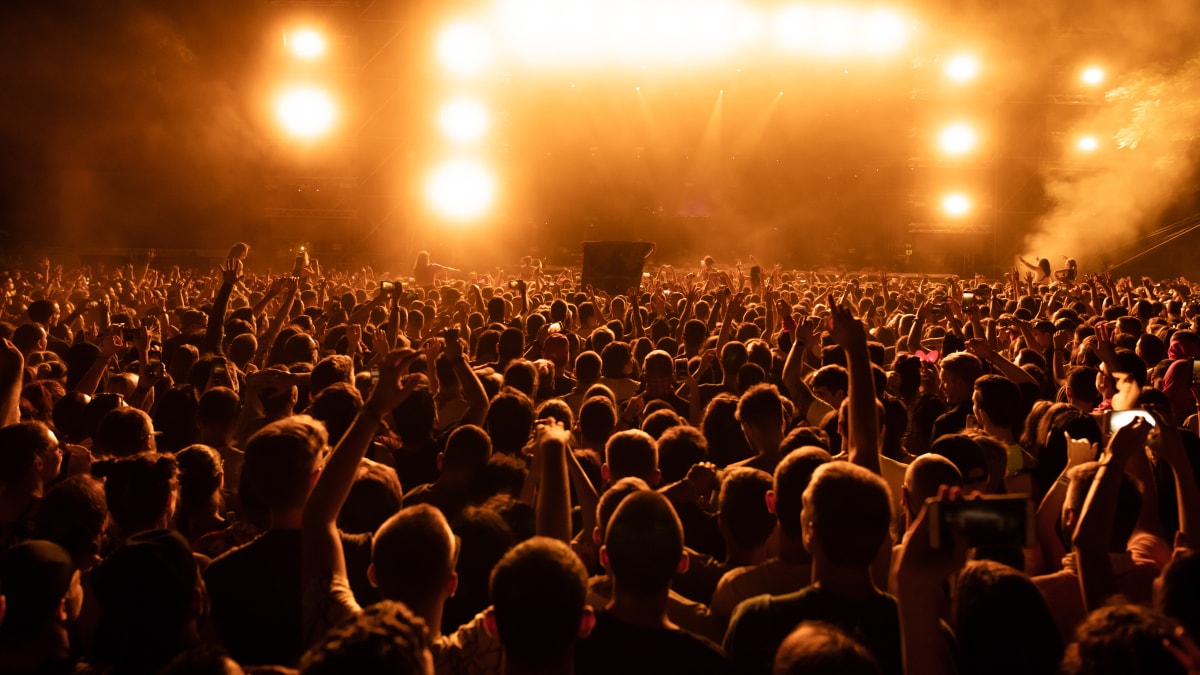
x=1110 y=519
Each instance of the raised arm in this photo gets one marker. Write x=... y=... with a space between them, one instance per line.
x=552 y=507
x=214 y=335
x=863 y=431
x=1094 y=532
x=322 y=556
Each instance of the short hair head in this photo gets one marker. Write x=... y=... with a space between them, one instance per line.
x=632 y=453
x=398 y=573
x=847 y=513
x=281 y=459
x=643 y=544
x=538 y=590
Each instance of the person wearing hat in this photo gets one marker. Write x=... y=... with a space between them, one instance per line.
x=40 y=596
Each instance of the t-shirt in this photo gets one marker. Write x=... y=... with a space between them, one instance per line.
x=953 y=421
x=761 y=624
x=615 y=647
x=1135 y=572
x=773 y=577
x=256 y=597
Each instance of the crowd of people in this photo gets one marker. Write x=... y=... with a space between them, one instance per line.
x=729 y=469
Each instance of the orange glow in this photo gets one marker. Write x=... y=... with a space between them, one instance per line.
x=305 y=44
x=464 y=120
x=1092 y=75
x=1088 y=144
x=463 y=48
x=306 y=112
x=956 y=205
x=962 y=68
x=957 y=139
x=557 y=32
x=461 y=189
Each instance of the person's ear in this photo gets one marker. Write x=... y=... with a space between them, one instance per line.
x=596 y=537
x=904 y=497
x=655 y=478
x=62 y=614
x=605 y=473
x=604 y=558
x=441 y=460
x=770 y=499
x=684 y=562
x=587 y=622
x=489 y=622
x=452 y=585
x=371 y=575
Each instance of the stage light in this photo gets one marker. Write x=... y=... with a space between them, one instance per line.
x=306 y=112
x=962 y=68
x=306 y=44
x=1092 y=75
x=1087 y=144
x=956 y=205
x=884 y=32
x=464 y=120
x=463 y=48
x=461 y=189
x=957 y=139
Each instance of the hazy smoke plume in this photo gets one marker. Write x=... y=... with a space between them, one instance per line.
x=1146 y=164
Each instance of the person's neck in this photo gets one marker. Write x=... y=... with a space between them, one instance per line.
x=738 y=556
x=430 y=612
x=27 y=655
x=850 y=582
x=217 y=437
x=286 y=519
x=565 y=666
x=1002 y=434
x=792 y=551
x=644 y=611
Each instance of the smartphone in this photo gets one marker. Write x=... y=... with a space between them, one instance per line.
x=374 y=376
x=939 y=312
x=450 y=335
x=387 y=286
x=1115 y=419
x=220 y=376
x=514 y=284
x=1195 y=371
x=410 y=296
x=92 y=304
x=555 y=327
x=129 y=334
x=156 y=369
x=991 y=520
x=968 y=300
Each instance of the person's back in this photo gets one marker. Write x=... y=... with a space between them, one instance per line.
x=845 y=517
x=255 y=589
x=643 y=549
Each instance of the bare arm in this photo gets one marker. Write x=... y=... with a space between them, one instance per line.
x=863 y=432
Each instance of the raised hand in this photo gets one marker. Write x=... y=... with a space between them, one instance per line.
x=231 y=272
x=395 y=384
x=845 y=330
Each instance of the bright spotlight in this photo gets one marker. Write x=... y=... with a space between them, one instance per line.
x=305 y=111
x=464 y=120
x=463 y=48
x=962 y=68
x=956 y=205
x=957 y=139
x=1092 y=75
x=461 y=189
x=306 y=44
x=1088 y=144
